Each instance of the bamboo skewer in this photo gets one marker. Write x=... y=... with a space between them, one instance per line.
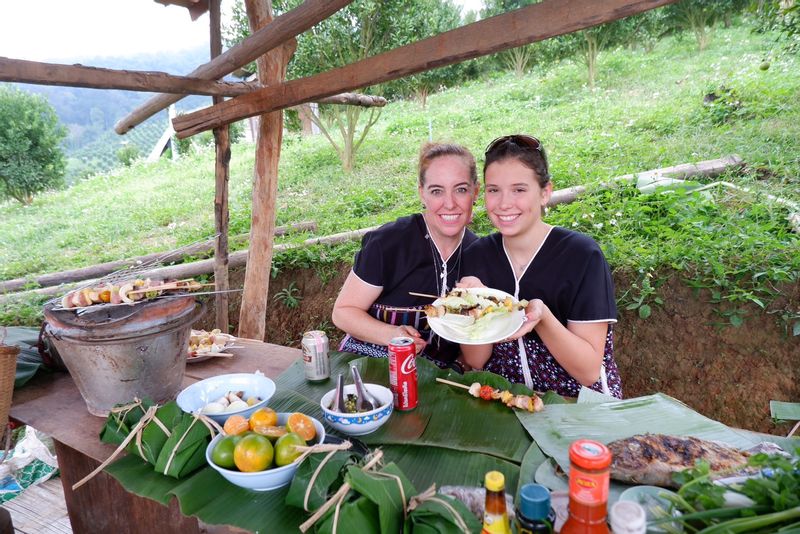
x=167 y=287
x=212 y=354
x=451 y=383
x=415 y=294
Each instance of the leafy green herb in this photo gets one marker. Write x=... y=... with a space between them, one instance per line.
x=776 y=494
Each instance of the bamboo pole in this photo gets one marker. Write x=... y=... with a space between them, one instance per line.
x=102 y=269
x=186 y=270
x=271 y=71
x=706 y=169
x=222 y=147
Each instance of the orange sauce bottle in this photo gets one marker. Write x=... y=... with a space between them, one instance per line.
x=495 y=515
x=590 y=462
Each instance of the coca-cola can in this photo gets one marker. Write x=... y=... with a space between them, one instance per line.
x=316 y=362
x=403 y=372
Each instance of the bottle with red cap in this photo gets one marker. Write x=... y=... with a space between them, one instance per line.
x=590 y=462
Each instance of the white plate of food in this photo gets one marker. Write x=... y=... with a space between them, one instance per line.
x=204 y=345
x=476 y=316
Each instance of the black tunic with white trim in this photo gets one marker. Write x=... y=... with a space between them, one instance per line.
x=400 y=257
x=571 y=276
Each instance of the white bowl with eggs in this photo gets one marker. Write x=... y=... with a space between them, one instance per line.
x=203 y=396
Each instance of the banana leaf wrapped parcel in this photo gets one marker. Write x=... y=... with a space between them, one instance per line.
x=327 y=474
x=121 y=420
x=156 y=433
x=172 y=441
x=441 y=514
x=347 y=496
x=152 y=435
x=185 y=450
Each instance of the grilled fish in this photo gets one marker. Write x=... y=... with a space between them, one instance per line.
x=652 y=458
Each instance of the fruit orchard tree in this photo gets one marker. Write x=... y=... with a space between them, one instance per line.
x=363 y=28
x=31 y=159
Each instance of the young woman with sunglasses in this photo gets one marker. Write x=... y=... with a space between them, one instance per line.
x=566 y=340
x=419 y=253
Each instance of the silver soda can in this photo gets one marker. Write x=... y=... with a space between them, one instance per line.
x=315 y=356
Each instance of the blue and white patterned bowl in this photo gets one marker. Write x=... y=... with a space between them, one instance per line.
x=358 y=424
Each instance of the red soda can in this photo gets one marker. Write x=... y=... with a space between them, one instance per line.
x=403 y=372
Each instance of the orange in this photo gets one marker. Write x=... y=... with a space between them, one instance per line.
x=253 y=453
x=286 y=449
x=272 y=432
x=302 y=425
x=263 y=418
x=235 y=424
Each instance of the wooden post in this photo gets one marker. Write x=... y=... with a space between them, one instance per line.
x=271 y=71
x=304 y=112
x=222 y=145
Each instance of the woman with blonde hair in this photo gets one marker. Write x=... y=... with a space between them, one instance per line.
x=418 y=253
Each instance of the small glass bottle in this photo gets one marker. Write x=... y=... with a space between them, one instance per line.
x=495 y=516
x=588 y=488
x=628 y=517
x=534 y=513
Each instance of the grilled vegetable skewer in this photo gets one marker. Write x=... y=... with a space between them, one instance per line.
x=485 y=392
x=128 y=292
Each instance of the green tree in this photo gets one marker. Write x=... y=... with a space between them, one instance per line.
x=518 y=59
x=782 y=16
x=588 y=44
x=31 y=159
x=648 y=28
x=700 y=16
x=127 y=154
x=364 y=28
x=430 y=17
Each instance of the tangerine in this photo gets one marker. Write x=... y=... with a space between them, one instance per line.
x=302 y=425
x=272 y=432
x=254 y=452
x=222 y=455
x=285 y=449
x=235 y=424
x=262 y=418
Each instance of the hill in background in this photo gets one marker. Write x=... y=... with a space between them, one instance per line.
x=89 y=115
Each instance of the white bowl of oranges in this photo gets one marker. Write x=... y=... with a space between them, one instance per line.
x=258 y=453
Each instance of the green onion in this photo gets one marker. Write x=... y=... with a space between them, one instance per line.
x=749 y=524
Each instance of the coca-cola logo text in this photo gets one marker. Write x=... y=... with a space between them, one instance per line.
x=409 y=365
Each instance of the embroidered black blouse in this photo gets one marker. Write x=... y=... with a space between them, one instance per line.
x=571 y=276
x=400 y=257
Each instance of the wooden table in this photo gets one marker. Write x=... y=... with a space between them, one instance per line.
x=52 y=404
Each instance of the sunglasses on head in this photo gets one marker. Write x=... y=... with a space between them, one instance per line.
x=523 y=141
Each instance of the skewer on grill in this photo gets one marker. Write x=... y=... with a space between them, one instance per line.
x=180 y=284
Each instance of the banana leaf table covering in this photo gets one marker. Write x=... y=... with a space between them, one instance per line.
x=450 y=438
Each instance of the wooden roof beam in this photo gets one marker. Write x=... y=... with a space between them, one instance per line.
x=195 y=7
x=509 y=30
x=24 y=71
x=280 y=30
x=354 y=99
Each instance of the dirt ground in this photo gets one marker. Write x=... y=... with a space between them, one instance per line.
x=683 y=349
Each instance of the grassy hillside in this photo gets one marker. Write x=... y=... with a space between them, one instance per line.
x=647 y=112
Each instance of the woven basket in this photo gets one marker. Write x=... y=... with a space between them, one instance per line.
x=8 y=371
